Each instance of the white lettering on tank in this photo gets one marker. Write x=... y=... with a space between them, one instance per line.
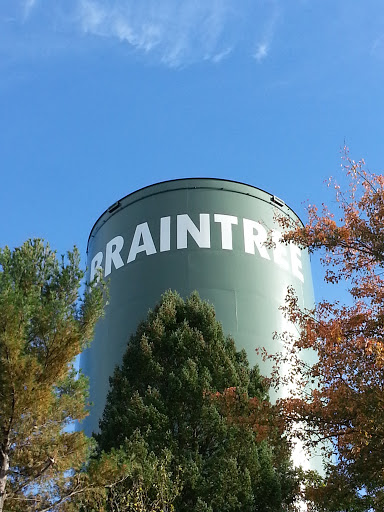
x=296 y=264
x=279 y=250
x=96 y=265
x=112 y=254
x=141 y=233
x=201 y=236
x=287 y=257
x=255 y=235
x=226 y=223
x=165 y=234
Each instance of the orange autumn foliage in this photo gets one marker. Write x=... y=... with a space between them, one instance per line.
x=264 y=418
x=340 y=399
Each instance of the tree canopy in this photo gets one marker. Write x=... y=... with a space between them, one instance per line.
x=44 y=325
x=345 y=406
x=179 y=394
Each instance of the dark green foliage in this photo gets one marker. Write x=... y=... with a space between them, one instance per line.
x=162 y=394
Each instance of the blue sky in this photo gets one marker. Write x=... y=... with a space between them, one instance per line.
x=101 y=97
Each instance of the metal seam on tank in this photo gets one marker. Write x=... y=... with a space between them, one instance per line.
x=186 y=180
x=194 y=188
x=93 y=234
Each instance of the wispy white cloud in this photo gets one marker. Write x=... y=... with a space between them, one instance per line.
x=269 y=30
x=221 y=55
x=177 y=32
x=261 y=51
x=377 y=48
x=173 y=32
x=29 y=6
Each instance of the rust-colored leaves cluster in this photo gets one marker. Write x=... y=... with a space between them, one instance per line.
x=341 y=397
x=261 y=416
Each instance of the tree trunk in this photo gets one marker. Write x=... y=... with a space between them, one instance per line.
x=4 y=467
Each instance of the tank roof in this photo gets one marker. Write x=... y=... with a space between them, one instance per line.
x=191 y=183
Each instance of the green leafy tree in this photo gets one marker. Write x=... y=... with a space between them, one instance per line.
x=44 y=325
x=180 y=392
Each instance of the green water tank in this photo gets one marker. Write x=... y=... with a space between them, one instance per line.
x=192 y=234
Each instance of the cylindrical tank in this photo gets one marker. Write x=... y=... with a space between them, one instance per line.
x=192 y=234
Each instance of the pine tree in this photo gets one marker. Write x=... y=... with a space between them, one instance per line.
x=164 y=395
x=43 y=327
